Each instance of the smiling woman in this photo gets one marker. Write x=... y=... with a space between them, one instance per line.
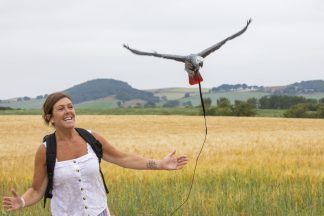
x=67 y=165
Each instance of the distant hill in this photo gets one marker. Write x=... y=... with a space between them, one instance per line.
x=101 y=88
x=304 y=87
x=236 y=88
x=98 y=93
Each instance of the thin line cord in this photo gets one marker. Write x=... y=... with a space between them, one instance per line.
x=202 y=146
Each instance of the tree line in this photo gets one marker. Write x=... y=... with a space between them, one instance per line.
x=224 y=107
x=283 y=101
x=296 y=106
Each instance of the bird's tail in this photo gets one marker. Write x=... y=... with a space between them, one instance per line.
x=195 y=79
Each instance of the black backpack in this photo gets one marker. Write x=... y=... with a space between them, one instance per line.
x=51 y=157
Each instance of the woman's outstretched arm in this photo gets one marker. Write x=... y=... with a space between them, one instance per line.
x=37 y=189
x=127 y=160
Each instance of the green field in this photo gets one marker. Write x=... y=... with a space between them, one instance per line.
x=116 y=111
x=30 y=104
x=314 y=95
x=185 y=111
x=176 y=93
x=232 y=96
x=109 y=105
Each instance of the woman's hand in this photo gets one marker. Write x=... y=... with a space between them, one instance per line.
x=12 y=203
x=170 y=162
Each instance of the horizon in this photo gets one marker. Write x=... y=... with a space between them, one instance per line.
x=190 y=87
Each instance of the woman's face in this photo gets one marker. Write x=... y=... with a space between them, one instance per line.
x=63 y=114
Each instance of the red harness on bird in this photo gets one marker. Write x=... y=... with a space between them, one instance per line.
x=195 y=79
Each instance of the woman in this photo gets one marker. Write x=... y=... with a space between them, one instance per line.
x=76 y=172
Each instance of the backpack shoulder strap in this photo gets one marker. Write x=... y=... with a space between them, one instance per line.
x=92 y=141
x=96 y=147
x=50 y=163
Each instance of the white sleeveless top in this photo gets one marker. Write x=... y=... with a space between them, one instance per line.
x=78 y=189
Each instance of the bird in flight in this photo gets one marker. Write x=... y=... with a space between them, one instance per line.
x=193 y=62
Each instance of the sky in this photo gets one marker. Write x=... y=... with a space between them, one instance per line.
x=48 y=46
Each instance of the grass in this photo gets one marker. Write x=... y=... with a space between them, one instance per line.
x=230 y=192
x=249 y=166
x=270 y=112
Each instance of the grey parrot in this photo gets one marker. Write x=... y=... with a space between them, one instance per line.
x=193 y=62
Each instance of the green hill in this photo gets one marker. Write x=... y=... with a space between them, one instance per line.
x=304 y=87
x=101 y=88
x=101 y=103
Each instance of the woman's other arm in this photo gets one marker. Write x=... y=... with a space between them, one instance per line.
x=37 y=189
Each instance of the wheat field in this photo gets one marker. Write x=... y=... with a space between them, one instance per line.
x=249 y=166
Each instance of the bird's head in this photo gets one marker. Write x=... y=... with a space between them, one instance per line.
x=197 y=61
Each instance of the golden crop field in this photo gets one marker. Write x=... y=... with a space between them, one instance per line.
x=249 y=166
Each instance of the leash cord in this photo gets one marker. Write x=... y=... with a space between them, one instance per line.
x=202 y=146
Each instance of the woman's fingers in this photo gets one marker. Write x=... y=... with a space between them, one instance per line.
x=182 y=163
x=6 y=199
x=181 y=159
x=7 y=203
x=11 y=203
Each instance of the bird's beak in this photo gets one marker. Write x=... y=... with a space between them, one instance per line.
x=201 y=64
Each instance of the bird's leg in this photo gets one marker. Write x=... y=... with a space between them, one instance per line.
x=193 y=74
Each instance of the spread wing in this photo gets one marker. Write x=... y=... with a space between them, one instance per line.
x=211 y=49
x=166 y=56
